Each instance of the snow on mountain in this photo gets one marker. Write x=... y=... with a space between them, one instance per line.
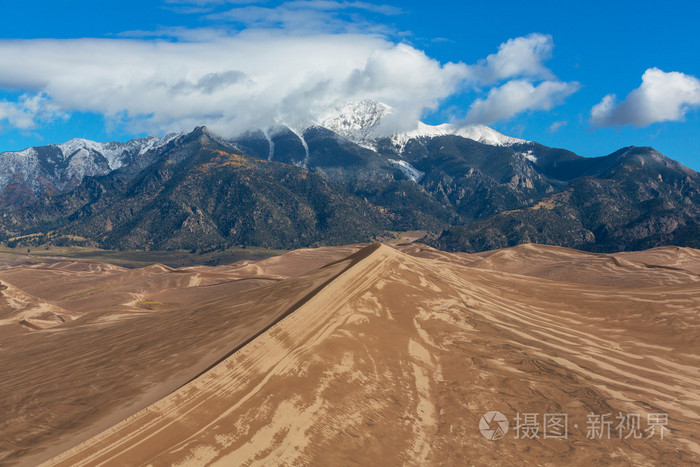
x=408 y=170
x=356 y=121
x=359 y=122
x=271 y=152
x=480 y=133
x=487 y=135
x=58 y=168
x=300 y=134
x=114 y=152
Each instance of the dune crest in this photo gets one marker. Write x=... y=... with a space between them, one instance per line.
x=396 y=357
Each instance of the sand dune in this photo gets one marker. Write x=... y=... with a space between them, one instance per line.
x=127 y=349
x=374 y=356
x=674 y=265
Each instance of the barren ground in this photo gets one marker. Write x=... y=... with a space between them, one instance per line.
x=351 y=355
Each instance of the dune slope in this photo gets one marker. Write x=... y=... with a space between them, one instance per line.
x=62 y=385
x=396 y=356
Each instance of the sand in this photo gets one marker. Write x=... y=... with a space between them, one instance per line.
x=382 y=355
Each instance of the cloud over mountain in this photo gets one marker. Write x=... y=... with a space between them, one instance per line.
x=518 y=96
x=284 y=64
x=661 y=97
x=232 y=84
x=521 y=56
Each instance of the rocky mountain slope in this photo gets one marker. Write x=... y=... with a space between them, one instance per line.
x=339 y=181
x=35 y=173
x=633 y=199
x=201 y=193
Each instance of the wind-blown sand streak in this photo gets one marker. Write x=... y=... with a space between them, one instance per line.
x=397 y=358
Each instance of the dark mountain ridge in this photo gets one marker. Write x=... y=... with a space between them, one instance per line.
x=287 y=188
x=199 y=193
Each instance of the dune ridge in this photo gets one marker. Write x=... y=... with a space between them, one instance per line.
x=129 y=349
x=396 y=359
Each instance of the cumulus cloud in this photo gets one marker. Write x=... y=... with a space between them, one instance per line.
x=529 y=84
x=28 y=111
x=518 y=96
x=661 y=97
x=521 y=56
x=231 y=84
x=290 y=65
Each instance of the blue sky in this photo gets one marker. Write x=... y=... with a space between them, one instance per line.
x=536 y=70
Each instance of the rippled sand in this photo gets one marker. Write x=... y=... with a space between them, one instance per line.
x=353 y=355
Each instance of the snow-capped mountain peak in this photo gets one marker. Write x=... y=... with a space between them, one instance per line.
x=480 y=133
x=57 y=168
x=115 y=152
x=487 y=135
x=360 y=122
x=356 y=121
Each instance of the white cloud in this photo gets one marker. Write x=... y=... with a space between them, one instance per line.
x=28 y=111
x=309 y=16
x=293 y=63
x=661 y=97
x=554 y=127
x=521 y=56
x=518 y=96
x=231 y=84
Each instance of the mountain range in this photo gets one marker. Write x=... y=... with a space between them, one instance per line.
x=339 y=181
